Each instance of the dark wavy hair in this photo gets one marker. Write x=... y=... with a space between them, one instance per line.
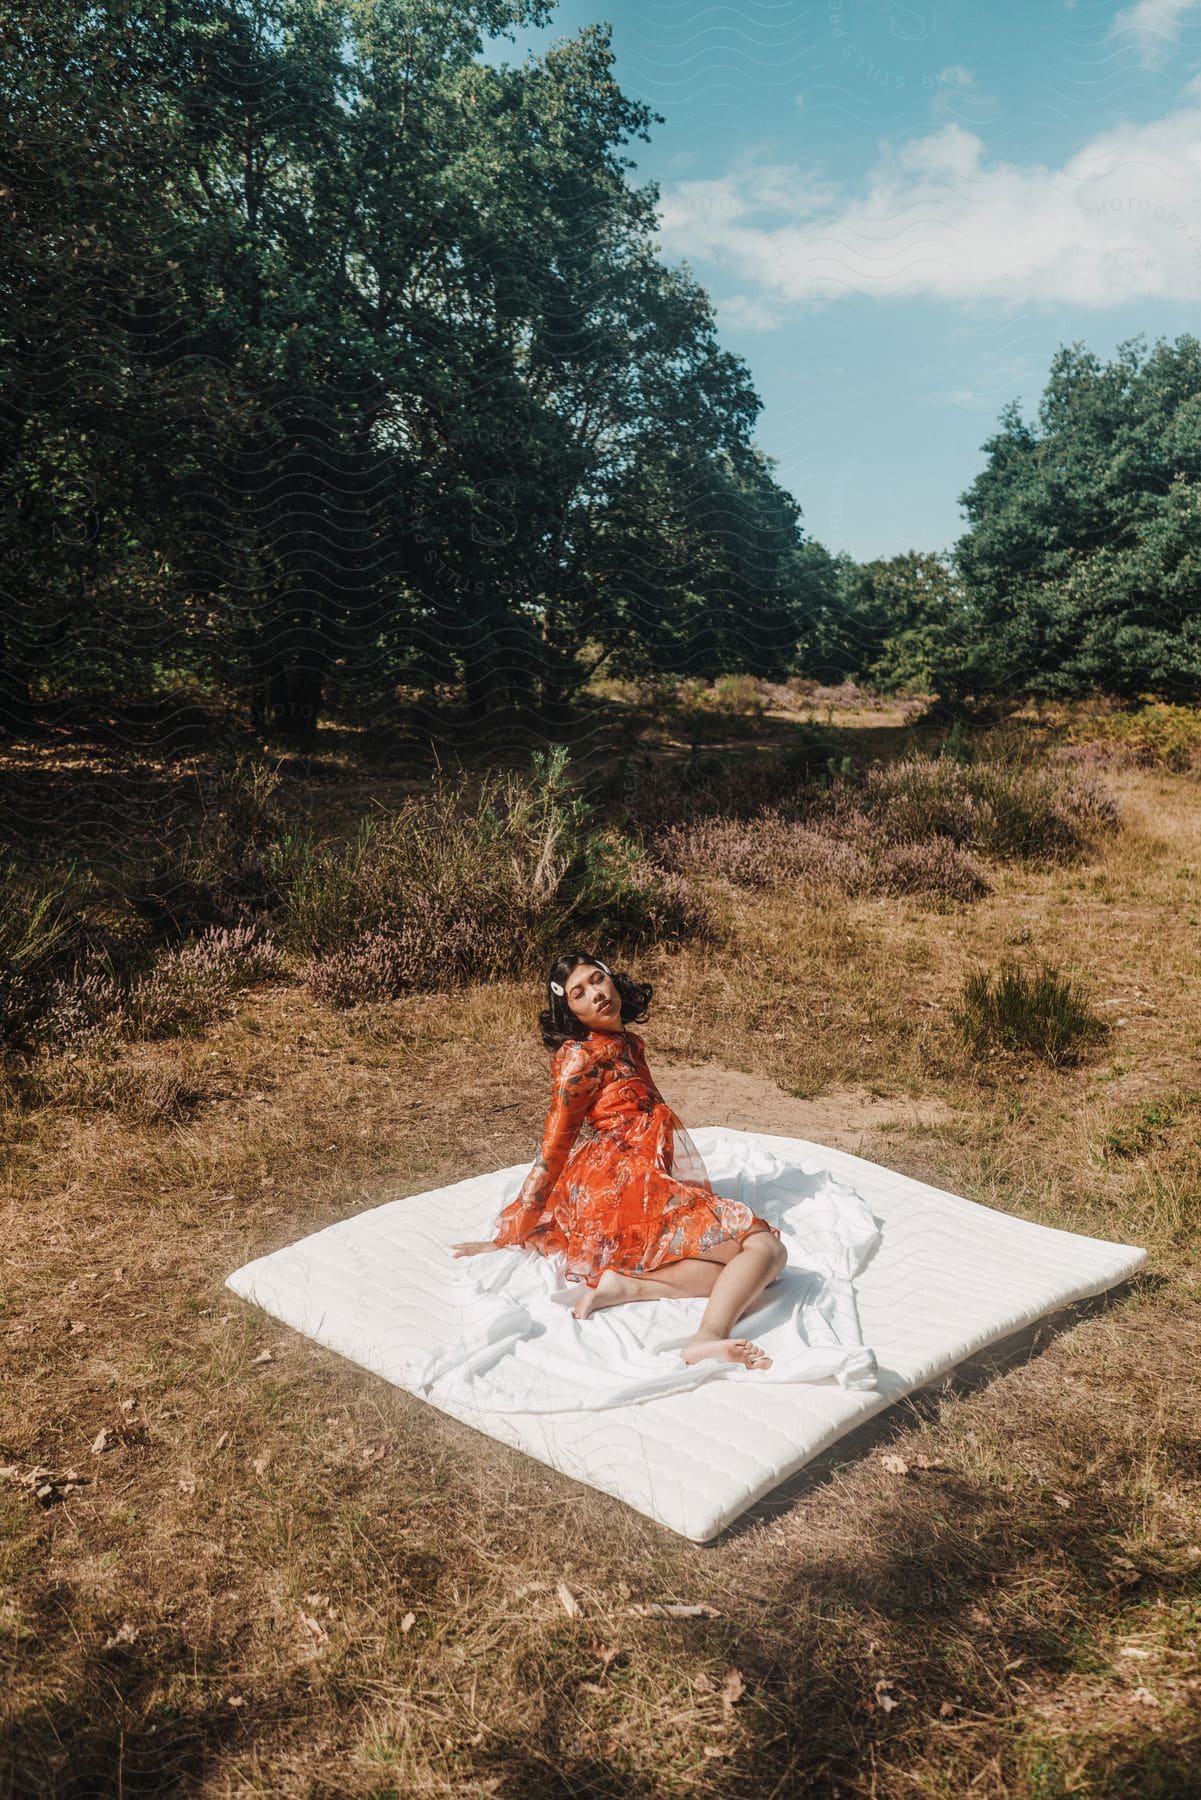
x=558 y=1024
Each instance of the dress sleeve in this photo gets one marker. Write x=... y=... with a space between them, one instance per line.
x=576 y=1084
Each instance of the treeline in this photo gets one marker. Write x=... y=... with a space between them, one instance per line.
x=338 y=363
x=1080 y=570
x=339 y=374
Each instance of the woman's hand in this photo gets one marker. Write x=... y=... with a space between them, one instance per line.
x=473 y=1249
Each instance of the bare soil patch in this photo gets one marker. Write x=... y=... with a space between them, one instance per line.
x=853 y=1119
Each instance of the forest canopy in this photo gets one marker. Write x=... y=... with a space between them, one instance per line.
x=337 y=364
x=335 y=359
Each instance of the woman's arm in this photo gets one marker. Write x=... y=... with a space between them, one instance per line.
x=577 y=1081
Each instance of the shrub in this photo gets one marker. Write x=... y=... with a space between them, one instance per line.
x=39 y=934
x=227 y=864
x=382 y=964
x=768 y=851
x=460 y=886
x=191 y=987
x=83 y=1012
x=738 y=694
x=1036 y=1013
x=1156 y=735
x=1007 y=809
x=931 y=866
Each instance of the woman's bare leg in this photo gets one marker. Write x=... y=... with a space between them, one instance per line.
x=739 y=1283
x=690 y=1279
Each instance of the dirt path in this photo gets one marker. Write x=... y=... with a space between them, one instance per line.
x=851 y=1119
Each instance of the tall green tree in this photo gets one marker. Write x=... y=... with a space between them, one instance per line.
x=340 y=361
x=1082 y=562
x=895 y=616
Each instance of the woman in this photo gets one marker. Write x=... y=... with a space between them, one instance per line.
x=632 y=1209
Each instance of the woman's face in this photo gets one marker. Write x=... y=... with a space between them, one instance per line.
x=593 y=997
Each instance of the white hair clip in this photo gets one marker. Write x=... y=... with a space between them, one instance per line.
x=556 y=987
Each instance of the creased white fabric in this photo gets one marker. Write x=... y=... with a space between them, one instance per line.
x=520 y=1350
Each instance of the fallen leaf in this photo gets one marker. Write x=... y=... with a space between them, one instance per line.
x=261 y=1464
x=264 y=1356
x=408 y=1622
x=187 y=1484
x=1144 y=1696
x=1133 y=1650
x=235 y=1700
x=124 y=1634
x=733 y=1687
x=929 y=1462
x=74 y=1326
x=568 y=1601
x=314 y=1627
x=603 y=1654
x=670 y=1609
x=945 y=1710
x=373 y=1453
x=221 y=1441
x=1062 y=1500
x=103 y=1441
x=894 y=1465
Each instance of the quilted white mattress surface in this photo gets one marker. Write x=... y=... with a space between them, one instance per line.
x=890 y=1284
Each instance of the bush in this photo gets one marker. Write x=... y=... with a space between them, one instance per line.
x=190 y=988
x=1006 y=809
x=227 y=865
x=1157 y=735
x=767 y=851
x=42 y=930
x=931 y=866
x=461 y=887
x=1040 y=1014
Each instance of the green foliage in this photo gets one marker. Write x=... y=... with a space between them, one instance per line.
x=471 y=883
x=1082 y=561
x=887 y=623
x=37 y=929
x=1152 y=1127
x=343 y=362
x=1155 y=735
x=1039 y=1013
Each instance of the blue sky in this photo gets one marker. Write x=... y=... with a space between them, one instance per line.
x=901 y=210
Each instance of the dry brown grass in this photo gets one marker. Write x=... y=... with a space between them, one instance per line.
x=287 y=1578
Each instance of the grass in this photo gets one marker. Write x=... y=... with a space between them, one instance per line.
x=287 y=1578
x=1027 y=1012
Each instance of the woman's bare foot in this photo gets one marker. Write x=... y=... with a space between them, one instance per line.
x=610 y=1290
x=739 y=1350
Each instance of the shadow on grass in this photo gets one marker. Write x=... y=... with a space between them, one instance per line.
x=99 y=1732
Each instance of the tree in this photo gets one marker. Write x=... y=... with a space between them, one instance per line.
x=1081 y=563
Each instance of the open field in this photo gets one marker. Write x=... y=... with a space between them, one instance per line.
x=278 y=1576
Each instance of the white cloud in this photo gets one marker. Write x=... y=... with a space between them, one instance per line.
x=1154 y=26
x=1119 y=220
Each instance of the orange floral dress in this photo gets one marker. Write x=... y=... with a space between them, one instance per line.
x=631 y=1198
